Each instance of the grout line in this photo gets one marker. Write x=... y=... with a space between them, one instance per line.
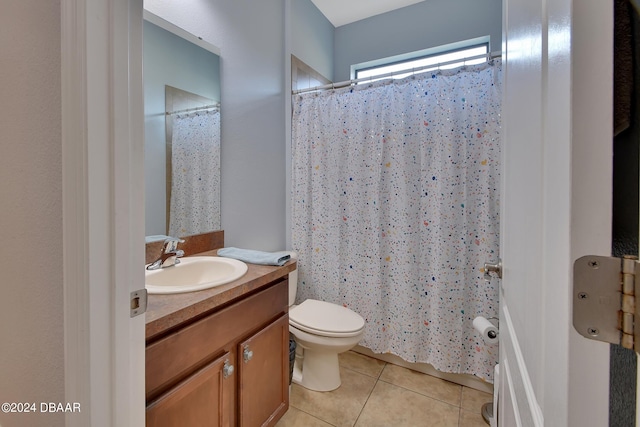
x=311 y=415
x=426 y=395
x=382 y=370
x=366 y=400
x=376 y=378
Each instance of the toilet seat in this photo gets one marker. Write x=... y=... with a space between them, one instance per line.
x=326 y=319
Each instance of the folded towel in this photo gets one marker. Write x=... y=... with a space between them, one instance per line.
x=255 y=257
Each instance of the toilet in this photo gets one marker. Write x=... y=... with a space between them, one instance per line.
x=322 y=330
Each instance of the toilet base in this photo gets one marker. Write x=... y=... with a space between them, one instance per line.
x=317 y=370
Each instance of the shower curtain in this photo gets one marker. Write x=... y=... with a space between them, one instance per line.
x=396 y=208
x=195 y=182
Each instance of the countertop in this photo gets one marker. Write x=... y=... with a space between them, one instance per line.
x=165 y=312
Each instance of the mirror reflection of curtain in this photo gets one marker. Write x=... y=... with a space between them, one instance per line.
x=195 y=190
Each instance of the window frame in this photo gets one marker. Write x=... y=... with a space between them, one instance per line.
x=418 y=55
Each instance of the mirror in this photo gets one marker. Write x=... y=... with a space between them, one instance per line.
x=182 y=131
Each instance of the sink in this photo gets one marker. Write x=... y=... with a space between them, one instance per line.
x=194 y=274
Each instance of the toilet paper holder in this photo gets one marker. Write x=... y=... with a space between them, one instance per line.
x=487 y=328
x=493 y=334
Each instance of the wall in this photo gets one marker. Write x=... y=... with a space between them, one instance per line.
x=250 y=35
x=168 y=60
x=313 y=37
x=31 y=304
x=421 y=26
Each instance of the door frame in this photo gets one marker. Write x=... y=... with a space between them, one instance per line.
x=591 y=193
x=103 y=214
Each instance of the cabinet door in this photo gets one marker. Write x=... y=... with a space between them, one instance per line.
x=203 y=399
x=263 y=375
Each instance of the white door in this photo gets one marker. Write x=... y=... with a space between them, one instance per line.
x=556 y=207
x=103 y=213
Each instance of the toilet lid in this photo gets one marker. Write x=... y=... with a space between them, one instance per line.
x=322 y=317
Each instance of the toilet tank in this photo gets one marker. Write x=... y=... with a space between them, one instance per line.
x=293 y=281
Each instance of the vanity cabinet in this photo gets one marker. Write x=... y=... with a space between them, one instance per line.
x=263 y=375
x=229 y=368
x=203 y=398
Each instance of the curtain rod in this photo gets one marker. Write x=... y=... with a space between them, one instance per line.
x=488 y=56
x=188 y=110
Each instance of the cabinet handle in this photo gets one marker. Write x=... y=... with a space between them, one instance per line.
x=227 y=370
x=247 y=354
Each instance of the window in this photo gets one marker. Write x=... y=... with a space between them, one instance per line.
x=449 y=56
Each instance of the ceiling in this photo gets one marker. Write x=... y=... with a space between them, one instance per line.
x=341 y=12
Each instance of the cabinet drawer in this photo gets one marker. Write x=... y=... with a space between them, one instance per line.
x=175 y=356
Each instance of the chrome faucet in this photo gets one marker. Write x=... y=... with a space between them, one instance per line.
x=169 y=256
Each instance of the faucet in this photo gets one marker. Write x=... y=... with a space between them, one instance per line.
x=169 y=256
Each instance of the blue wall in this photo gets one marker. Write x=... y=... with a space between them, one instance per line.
x=331 y=51
x=421 y=26
x=313 y=37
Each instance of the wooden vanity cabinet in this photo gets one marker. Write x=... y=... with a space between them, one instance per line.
x=204 y=395
x=263 y=375
x=230 y=368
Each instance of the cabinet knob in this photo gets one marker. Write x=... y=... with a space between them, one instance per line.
x=247 y=354
x=227 y=370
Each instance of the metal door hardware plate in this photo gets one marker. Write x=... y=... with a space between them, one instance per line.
x=138 y=302
x=604 y=306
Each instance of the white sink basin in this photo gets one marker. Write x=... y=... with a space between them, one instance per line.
x=194 y=274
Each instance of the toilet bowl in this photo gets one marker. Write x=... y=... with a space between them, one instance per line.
x=322 y=330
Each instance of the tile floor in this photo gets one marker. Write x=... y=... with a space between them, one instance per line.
x=375 y=393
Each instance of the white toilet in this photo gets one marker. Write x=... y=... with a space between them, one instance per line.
x=322 y=330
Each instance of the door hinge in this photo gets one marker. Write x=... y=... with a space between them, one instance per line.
x=138 y=302
x=604 y=306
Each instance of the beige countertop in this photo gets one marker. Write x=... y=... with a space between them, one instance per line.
x=165 y=312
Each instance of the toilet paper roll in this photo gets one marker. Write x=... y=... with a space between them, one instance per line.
x=487 y=329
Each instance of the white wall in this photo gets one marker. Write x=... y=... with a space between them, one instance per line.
x=31 y=304
x=250 y=35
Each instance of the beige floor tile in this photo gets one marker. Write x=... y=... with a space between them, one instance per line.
x=361 y=363
x=390 y=405
x=471 y=419
x=296 y=418
x=340 y=407
x=472 y=400
x=421 y=383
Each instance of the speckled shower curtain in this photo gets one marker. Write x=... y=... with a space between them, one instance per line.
x=195 y=181
x=396 y=208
